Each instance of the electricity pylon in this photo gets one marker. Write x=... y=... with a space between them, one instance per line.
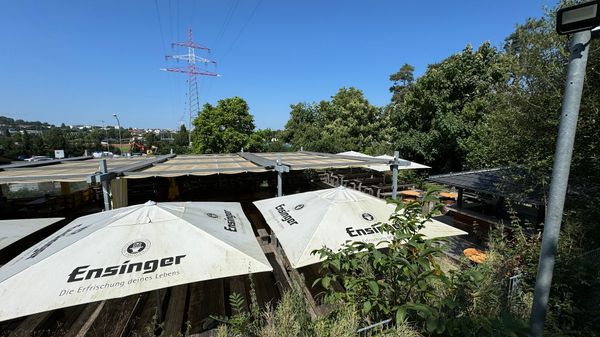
x=192 y=71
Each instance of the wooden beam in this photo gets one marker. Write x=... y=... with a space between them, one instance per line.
x=282 y=280
x=237 y=284
x=263 y=285
x=114 y=317
x=31 y=324
x=206 y=299
x=84 y=322
x=175 y=311
x=148 y=316
x=312 y=305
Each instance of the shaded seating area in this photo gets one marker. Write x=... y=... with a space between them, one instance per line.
x=486 y=198
x=378 y=184
x=190 y=307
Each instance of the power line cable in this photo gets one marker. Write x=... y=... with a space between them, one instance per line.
x=170 y=21
x=178 y=33
x=193 y=12
x=162 y=38
x=226 y=23
x=241 y=30
x=171 y=79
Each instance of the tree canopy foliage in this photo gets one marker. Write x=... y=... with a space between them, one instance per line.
x=224 y=128
x=441 y=108
x=347 y=122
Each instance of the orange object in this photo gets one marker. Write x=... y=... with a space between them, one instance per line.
x=449 y=195
x=475 y=255
x=411 y=193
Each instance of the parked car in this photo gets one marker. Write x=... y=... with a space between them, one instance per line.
x=38 y=158
x=100 y=154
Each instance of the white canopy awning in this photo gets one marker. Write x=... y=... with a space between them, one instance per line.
x=130 y=250
x=308 y=221
x=411 y=165
x=12 y=231
x=355 y=154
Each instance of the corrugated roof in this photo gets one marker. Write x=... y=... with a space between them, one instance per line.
x=313 y=160
x=199 y=165
x=171 y=166
x=507 y=182
x=71 y=171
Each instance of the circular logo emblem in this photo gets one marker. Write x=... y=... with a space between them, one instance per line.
x=136 y=247
x=368 y=216
x=212 y=215
x=299 y=207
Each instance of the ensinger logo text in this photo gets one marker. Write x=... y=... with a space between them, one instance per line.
x=147 y=267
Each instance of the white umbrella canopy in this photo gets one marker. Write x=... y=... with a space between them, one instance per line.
x=12 y=231
x=130 y=250
x=411 y=164
x=385 y=167
x=307 y=221
x=355 y=154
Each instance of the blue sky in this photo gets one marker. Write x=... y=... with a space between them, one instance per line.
x=78 y=62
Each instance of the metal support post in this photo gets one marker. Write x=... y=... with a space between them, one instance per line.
x=105 y=186
x=394 y=168
x=560 y=175
x=279 y=184
x=103 y=177
x=280 y=168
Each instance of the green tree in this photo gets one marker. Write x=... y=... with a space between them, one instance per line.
x=441 y=108
x=352 y=122
x=55 y=140
x=150 y=139
x=347 y=122
x=7 y=146
x=303 y=128
x=402 y=81
x=266 y=140
x=38 y=146
x=182 y=137
x=26 y=143
x=521 y=127
x=224 y=128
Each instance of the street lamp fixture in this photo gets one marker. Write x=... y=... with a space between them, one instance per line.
x=573 y=19
x=120 y=140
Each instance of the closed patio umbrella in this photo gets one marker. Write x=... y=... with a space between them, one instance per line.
x=130 y=250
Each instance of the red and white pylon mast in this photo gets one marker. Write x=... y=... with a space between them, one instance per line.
x=192 y=71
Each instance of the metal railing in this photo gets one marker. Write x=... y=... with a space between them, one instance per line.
x=375 y=329
x=592 y=256
x=514 y=289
